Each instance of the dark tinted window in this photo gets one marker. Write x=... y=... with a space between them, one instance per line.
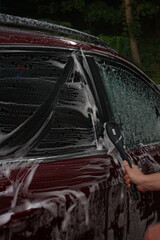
x=26 y=81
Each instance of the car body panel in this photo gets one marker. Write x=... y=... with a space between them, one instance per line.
x=77 y=198
x=80 y=194
x=19 y=36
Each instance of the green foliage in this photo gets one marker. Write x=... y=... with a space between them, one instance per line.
x=70 y=5
x=99 y=11
x=146 y=8
x=93 y=12
x=119 y=43
x=150 y=55
x=53 y=8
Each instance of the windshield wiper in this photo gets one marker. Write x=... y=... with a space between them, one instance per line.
x=20 y=140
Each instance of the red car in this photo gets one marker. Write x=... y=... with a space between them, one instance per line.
x=70 y=112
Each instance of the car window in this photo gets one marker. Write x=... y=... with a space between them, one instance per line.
x=135 y=105
x=26 y=80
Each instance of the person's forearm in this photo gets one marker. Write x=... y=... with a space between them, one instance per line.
x=144 y=182
x=153 y=232
x=151 y=182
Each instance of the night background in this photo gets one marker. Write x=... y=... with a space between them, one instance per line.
x=132 y=27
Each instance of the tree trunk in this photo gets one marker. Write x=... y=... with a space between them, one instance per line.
x=133 y=41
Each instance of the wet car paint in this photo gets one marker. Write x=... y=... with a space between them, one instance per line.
x=75 y=197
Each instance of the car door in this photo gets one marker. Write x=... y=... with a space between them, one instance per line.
x=134 y=103
x=55 y=172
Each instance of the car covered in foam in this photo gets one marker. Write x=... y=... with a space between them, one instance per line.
x=70 y=112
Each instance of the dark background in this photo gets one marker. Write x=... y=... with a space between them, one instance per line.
x=103 y=18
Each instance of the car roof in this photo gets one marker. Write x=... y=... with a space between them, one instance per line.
x=12 y=35
x=20 y=30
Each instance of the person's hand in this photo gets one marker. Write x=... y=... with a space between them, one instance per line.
x=153 y=232
x=134 y=175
